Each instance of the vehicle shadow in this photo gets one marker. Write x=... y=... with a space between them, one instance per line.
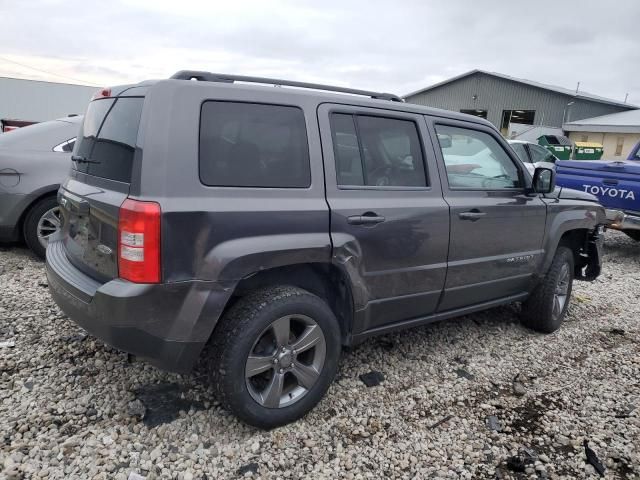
x=18 y=248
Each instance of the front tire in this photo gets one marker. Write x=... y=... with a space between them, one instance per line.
x=545 y=309
x=274 y=355
x=42 y=221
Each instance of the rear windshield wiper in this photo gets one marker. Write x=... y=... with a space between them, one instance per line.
x=80 y=159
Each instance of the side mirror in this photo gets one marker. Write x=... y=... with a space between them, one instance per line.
x=445 y=140
x=544 y=180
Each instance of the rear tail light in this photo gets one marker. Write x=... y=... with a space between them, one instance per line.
x=139 y=241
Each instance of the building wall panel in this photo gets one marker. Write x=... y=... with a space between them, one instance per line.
x=609 y=141
x=485 y=92
x=37 y=101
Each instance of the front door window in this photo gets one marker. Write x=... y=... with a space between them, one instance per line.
x=475 y=160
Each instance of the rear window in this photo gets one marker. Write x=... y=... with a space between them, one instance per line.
x=108 y=138
x=253 y=145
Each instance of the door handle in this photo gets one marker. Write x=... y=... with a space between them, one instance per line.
x=368 y=218
x=473 y=215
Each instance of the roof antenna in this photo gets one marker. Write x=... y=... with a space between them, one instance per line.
x=625 y=97
x=577 y=88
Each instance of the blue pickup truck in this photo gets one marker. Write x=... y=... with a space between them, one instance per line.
x=615 y=183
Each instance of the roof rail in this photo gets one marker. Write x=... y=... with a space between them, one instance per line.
x=225 y=78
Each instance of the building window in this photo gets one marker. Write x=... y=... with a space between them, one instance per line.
x=619 y=146
x=584 y=138
x=525 y=117
x=510 y=117
x=475 y=112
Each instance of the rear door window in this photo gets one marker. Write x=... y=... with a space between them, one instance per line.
x=346 y=150
x=108 y=140
x=66 y=146
x=253 y=145
x=377 y=151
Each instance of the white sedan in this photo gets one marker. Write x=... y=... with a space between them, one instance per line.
x=533 y=155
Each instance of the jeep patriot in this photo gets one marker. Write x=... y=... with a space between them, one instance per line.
x=279 y=225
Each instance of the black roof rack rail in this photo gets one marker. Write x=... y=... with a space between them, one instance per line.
x=225 y=78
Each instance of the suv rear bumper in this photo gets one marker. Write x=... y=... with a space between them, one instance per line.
x=167 y=324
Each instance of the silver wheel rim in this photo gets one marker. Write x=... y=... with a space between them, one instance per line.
x=560 y=294
x=48 y=224
x=285 y=361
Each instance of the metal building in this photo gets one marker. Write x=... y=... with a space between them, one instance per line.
x=37 y=101
x=505 y=100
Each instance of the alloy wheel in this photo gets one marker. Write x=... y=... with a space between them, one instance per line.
x=285 y=361
x=49 y=223
x=561 y=291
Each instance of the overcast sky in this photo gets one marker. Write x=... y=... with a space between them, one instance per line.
x=397 y=46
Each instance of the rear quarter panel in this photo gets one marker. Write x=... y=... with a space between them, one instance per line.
x=32 y=175
x=225 y=233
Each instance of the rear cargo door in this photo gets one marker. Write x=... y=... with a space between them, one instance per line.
x=99 y=183
x=616 y=184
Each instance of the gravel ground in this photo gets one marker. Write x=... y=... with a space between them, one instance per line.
x=476 y=397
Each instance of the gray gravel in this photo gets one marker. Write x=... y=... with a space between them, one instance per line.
x=475 y=397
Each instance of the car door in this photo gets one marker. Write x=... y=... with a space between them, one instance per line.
x=497 y=228
x=389 y=221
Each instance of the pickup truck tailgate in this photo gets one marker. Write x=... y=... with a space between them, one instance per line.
x=616 y=184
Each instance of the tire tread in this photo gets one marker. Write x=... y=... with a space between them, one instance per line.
x=536 y=310
x=231 y=326
x=30 y=227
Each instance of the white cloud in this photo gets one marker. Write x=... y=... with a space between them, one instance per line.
x=393 y=46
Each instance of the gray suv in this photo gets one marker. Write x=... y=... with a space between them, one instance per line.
x=279 y=225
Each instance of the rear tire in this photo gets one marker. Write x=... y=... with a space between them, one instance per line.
x=42 y=221
x=274 y=354
x=635 y=234
x=545 y=309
